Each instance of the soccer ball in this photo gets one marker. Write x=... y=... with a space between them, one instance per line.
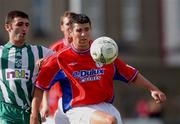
x=104 y=50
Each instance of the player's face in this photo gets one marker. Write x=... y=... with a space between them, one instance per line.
x=18 y=30
x=81 y=35
x=65 y=27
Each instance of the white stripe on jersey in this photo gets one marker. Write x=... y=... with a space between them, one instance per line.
x=36 y=58
x=4 y=92
x=2 y=86
x=47 y=52
x=12 y=85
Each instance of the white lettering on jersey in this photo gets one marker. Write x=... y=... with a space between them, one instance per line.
x=88 y=75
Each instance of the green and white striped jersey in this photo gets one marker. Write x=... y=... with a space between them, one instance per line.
x=18 y=71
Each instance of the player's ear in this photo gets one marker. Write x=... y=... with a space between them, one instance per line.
x=7 y=27
x=61 y=28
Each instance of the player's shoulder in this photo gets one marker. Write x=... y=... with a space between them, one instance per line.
x=39 y=48
x=32 y=46
x=59 y=42
x=65 y=49
x=35 y=45
x=1 y=48
x=56 y=44
x=64 y=52
x=50 y=61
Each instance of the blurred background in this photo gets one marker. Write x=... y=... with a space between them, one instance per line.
x=147 y=33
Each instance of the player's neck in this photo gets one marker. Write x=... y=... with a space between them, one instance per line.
x=79 y=48
x=17 y=43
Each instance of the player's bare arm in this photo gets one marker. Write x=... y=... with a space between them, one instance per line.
x=36 y=102
x=45 y=107
x=156 y=93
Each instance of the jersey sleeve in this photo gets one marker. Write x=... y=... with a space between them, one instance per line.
x=47 y=72
x=124 y=72
x=47 y=52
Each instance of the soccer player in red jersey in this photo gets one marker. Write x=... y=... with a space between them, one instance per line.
x=87 y=86
x=65 y=25
x=55 y=92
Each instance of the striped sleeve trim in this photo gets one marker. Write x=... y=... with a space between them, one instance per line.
x=134 y=76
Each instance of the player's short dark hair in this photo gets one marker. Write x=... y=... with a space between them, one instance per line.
x=81 y=19
x=13 y=14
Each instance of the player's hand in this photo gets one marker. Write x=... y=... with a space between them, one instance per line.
x=34 y=119
x=44 y=113
x=158 y=96
x=39 y=62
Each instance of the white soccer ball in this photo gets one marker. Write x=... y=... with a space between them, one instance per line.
x=104 y=50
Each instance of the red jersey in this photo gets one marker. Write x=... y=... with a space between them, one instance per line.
x=55 y=93
x=83 y=81
x=59 y=45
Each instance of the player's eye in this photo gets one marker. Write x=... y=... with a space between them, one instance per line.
x=27 y=24
x=67 y=24
x=19 y=24
x=79 y=30
x=87 y=29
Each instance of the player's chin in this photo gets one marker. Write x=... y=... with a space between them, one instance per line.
x=83 y=44
x=21 y=39
x=83 y=41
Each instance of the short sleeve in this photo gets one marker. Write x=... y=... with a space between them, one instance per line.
x=48 y=71
x=124 y=72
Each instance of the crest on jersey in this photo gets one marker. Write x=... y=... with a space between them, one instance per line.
x=99 y=65
x=18 y=63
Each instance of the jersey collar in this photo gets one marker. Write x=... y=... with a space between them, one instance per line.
x=79 y=51
x=10 y=45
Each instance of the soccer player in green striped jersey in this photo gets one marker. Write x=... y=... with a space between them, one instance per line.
x=18 y=70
